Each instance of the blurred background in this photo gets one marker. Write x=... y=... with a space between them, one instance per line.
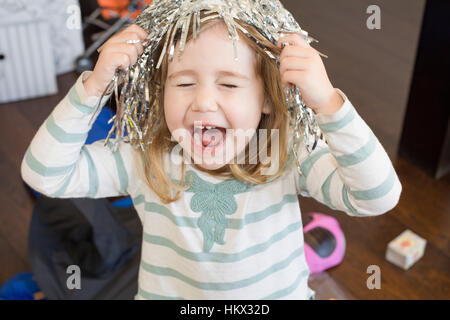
x=395 y=75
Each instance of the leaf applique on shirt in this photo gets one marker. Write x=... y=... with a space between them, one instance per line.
x=215 y=202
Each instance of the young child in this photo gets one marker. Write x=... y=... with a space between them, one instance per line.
x=215 y=229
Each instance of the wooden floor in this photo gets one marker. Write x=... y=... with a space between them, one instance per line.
x=374 y=70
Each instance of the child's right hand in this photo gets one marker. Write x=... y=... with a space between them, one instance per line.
x=115 y=53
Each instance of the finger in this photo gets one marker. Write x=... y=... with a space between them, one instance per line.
x=139 y=47
x=303 y=34
x=292 y=39
x=296 y=51
x=99 y=49
x=122 y=47
x=294 y=63
x=141 y=32
x=118 y=37
x=121 y=60
x=292 y=77
x=137 y=44
x=123 y=36
x=136 y=29
x=131 y=36
x=128 y=49
x=133 y=32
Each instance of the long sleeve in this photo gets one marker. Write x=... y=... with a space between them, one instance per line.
x=57 y=162
x=351 y=171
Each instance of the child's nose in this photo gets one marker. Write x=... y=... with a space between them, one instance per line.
x=204 y=100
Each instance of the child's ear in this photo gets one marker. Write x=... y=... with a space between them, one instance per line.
x=267 y=105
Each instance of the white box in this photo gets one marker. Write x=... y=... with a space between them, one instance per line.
x=406 y=249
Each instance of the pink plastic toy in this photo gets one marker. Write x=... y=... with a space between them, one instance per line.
x=324 y=242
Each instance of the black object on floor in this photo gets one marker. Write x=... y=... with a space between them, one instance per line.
x=104 y=241
x=321 y=241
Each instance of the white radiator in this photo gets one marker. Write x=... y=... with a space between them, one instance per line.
x=27 y=68
x=39 y=39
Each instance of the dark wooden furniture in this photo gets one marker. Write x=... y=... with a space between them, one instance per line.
x=425 y=139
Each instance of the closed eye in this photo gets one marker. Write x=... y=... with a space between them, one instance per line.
x=229 y=85
x=185 y=84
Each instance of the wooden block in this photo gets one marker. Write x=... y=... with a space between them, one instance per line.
x=406 y=249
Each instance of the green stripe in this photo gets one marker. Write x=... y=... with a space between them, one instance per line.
x=284 y=292
x=62 y=136
x=121 y=171
x=157 y=208
x=219 y=256
x=63 y=188
x=359 y=155
x=222 y=286
x=232 y=223
x=337 y=125
x=307 y=165
x=326 y=190
x=277 y=295
x=377 y=192
x=347 y=202
x=262 y=214
x=153 y=296
x=138 y=199
x=302 y=184
x=42 y=170
x=93 y=176
x=75 y=100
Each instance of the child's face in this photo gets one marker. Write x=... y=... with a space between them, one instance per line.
x=207 y=85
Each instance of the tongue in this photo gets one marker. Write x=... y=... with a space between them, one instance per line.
x=211 y=137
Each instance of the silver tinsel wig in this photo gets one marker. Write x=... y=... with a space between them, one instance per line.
x=136 y=91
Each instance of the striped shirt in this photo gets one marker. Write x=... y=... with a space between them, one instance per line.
x=221 y=239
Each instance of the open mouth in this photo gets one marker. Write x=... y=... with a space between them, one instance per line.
x=208 y=138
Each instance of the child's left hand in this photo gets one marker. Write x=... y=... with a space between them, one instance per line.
x=301 y=65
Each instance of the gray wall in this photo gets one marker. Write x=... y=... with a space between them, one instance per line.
x=373 y=67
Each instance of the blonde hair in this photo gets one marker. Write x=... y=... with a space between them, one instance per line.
x=153 y=156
